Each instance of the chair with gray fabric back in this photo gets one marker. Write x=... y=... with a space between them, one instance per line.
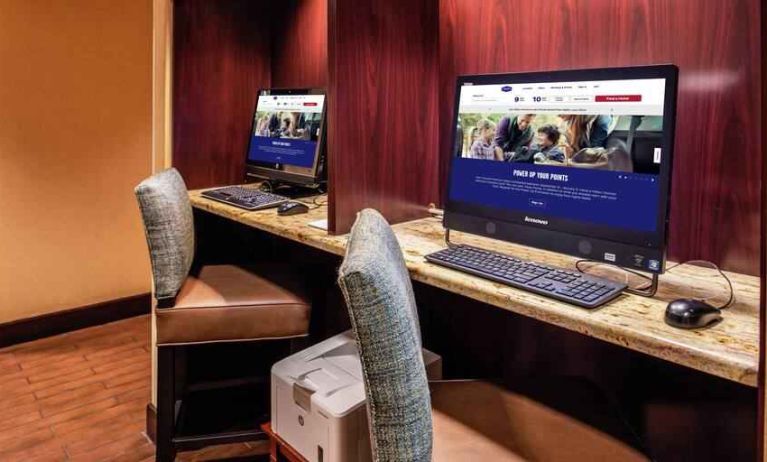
x=205 y=305
x=414 y=421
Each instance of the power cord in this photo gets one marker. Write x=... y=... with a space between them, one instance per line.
x=647 y=291
x=435 y=212
x=315 y=203
x=731 y=298
x=267 y=186
x=651 y=289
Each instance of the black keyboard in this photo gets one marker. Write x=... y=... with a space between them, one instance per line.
x=569 y=286
x=245 y=198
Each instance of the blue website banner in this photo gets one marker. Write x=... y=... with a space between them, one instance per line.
x=615 y=199
x=298 y=153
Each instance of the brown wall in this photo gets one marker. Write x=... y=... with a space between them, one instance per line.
x=221 y=58
x=224 y=51
x=300 y=44
x=75 y=137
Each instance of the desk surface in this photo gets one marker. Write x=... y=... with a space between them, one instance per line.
x=729 y=349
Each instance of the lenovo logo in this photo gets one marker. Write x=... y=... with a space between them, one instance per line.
x=537 y=221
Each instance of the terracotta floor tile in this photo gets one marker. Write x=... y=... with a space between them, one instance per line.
x=85 y=392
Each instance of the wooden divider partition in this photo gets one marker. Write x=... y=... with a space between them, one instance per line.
x=383 y=142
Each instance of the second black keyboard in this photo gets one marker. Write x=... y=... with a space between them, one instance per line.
x=569 y=286
x=245 y=198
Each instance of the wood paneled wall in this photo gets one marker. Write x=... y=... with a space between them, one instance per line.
x=300 y=44
x=224 y=51
x=221 y=55
x=390 y=68
x=383 y=142
x=378 y=60
x=715 y=206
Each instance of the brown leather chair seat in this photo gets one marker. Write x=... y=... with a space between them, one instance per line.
x=478 y=421
x=234 y=303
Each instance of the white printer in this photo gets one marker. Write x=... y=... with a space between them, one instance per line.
x=318 y=400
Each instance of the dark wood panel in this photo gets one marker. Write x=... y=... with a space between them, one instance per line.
x=715 y=207
x=383 y=145
x=221 y=58
x=300 y=45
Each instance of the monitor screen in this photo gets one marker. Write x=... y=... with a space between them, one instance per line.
x=573 y=161
x=287 y=131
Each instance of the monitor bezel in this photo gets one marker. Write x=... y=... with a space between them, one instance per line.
x=578 y=238
x=266 y=170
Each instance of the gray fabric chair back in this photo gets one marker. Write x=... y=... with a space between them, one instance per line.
x=169 y=227
x=379 y=295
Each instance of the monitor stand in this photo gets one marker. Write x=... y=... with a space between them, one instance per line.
x=648 y=291
x=291 y=190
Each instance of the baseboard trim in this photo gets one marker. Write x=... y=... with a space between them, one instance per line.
x=25 y=330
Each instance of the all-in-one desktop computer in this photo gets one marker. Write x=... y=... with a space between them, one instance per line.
x=578 y=162
x=286 y=149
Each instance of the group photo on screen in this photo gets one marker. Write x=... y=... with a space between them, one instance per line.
x=600 y=142
x=292 y=125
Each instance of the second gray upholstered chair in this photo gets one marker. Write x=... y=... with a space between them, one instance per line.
x=459 y=420
x=382 y=308
x=206 y=304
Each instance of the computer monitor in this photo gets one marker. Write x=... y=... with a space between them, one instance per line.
x=577 y=162
x=287 y=138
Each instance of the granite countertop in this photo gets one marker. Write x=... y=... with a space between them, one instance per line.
x=729 y=349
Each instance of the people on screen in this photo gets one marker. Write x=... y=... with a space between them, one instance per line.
x=287 y=129
x=484 y=147
x=274 y=125
x=514 y=133
x=262 y=127
x=574 y=140
x=546 y=145
x=585 y=131
x=284 y=125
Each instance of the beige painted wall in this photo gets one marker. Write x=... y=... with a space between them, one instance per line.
x=75 y=137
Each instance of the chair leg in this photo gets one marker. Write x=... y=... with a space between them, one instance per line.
x=166 y=404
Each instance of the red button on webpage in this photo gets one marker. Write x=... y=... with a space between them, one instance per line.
x=617 y=98
x=310 y=104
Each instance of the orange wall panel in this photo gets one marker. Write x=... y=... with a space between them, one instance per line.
x=75 y=137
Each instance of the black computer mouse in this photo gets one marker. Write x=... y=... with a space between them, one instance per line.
x=691 y=314
x=292 y=208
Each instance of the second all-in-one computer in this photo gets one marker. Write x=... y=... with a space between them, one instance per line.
x=578 y=162
x=286 y=150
